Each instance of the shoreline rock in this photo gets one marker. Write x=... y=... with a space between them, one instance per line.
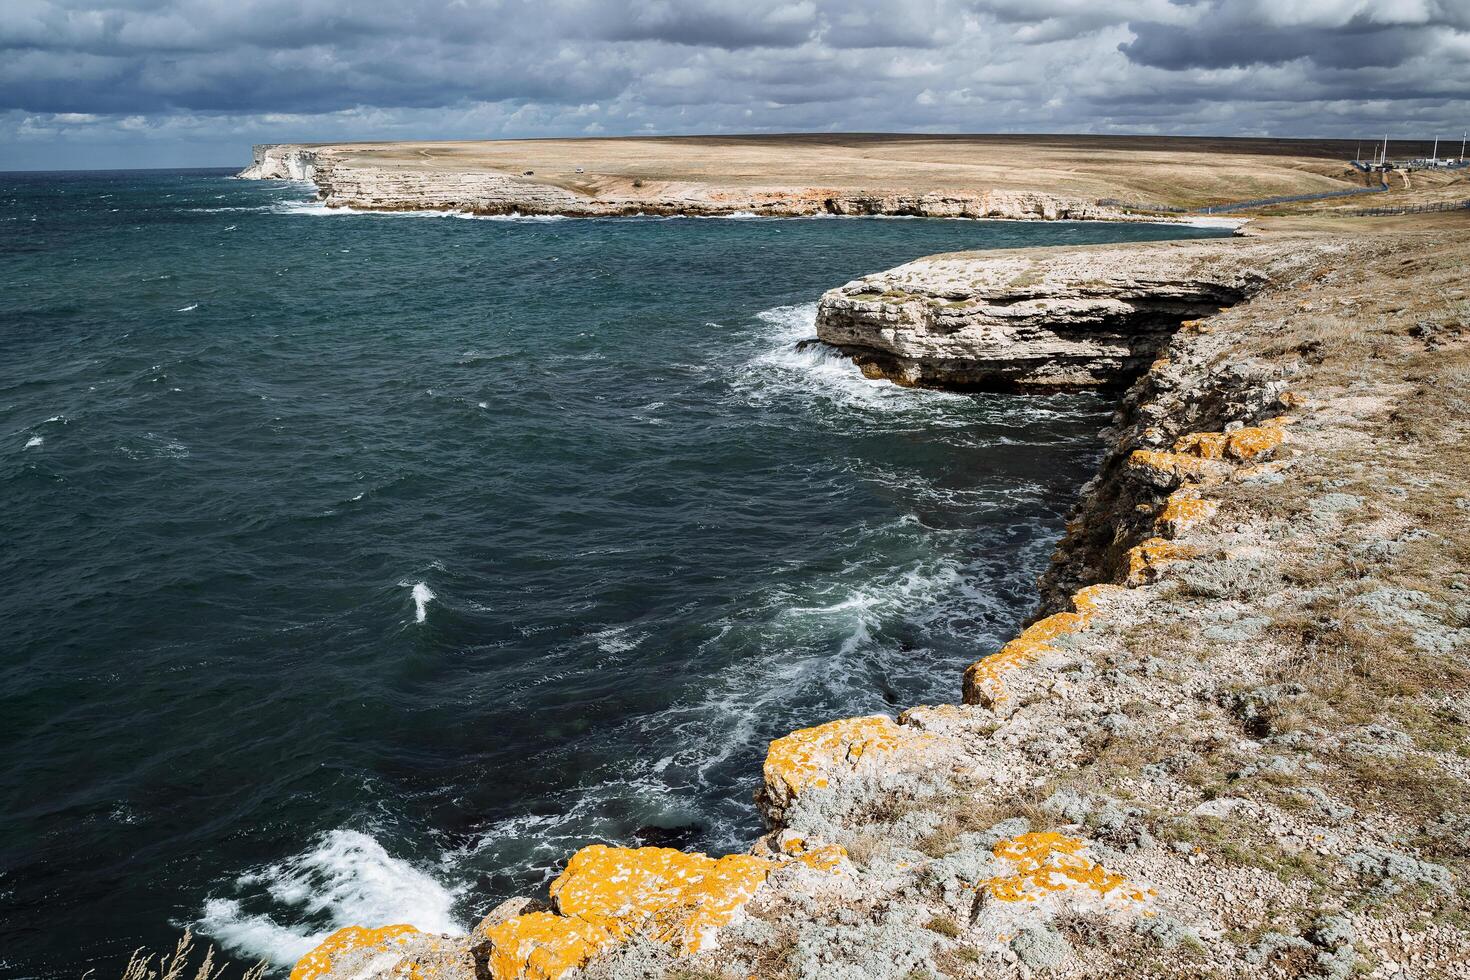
x=1107 y=801
x=347 y=183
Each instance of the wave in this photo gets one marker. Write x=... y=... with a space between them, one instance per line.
x=151 y=445
x=817 y=371
x=187 y=309
x=347 y=878
x=34 y=441
x=319 y=208
x=422 y=596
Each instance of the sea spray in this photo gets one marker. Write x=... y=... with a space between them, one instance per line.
x=422 y=596
x=346 y=878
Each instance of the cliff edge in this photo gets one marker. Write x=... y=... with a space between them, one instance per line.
x=365 y=177
x=1234 y=742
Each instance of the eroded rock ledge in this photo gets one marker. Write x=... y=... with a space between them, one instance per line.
x=1038 y=319
x=1167 y=775
x=346 y=182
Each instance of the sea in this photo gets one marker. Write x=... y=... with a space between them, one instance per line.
x=359 y=568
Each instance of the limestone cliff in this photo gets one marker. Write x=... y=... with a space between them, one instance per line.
x=281 y=161
x=345 y=179
x=1233 y=747
x=1037 y=319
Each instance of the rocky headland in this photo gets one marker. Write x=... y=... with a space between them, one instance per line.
x=345 y=182
x=1235 y=740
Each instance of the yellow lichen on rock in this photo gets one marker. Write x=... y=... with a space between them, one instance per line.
x=542 y=946
x=828 y=857
x=1144 y=560
x=984 y=682
x=1205 y=445
x=1253 y=442
x=808 y=757
x=1175 y=467
x=349 y=941
x=1046 y=862
x=1242 y=445
x=658 y=892
x=607 y=895
x=1089 y=600
x=1184 y=509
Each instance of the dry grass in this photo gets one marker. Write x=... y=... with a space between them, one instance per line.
x=175 y=966
x=1181 y=171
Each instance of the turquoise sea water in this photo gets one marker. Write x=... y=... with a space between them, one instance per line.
x=359 y=568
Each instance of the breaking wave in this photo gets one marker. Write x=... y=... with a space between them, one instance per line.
x=346 y=878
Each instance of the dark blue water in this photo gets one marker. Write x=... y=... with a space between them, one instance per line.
x=359 y=568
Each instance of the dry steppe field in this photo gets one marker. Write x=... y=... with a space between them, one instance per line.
x=1177 y=171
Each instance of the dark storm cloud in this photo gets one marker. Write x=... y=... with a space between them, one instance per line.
x=131 y=70
x=1351 y=35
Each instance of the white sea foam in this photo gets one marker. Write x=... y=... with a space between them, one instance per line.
x=34 y=441
x=346 y=878
x=186 y=309
x=615 y=640
x=780 y=370
x=422 y=596
x=319 y=208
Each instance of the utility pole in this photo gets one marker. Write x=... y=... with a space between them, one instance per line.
x=1358 y=153
x=1435 y=155
x=1462 y=146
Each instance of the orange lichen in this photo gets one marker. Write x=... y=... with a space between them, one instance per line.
x=1291 y=399
x=806 y=757
x=1205 y=445
x=658 y=892
x=1047 y=862
x=1144 y=560
x=1253 y=442
x=607 y=895
x=1242 y=444
x=984 y=680
x=542 y=946
x=1183 y=510
x=828 y=857
x=318 y=962
x=1176 y=466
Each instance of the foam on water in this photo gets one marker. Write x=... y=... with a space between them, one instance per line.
x=778 y=369
x=346 y=878
x=422 y=596
x=34 y=441
x=319 y=208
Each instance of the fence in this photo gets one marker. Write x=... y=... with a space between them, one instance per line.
x=1266 y=201
x=1407 y=209
x=1110 y=202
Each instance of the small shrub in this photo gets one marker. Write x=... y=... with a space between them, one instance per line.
x=944 y=926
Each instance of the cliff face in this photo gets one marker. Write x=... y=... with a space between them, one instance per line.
x=1234 y=747
x=1036 y=319
x=281 y=161
x=345 y=181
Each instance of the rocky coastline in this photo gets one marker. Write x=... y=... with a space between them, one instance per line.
x=344 y=182
x=1232 y=742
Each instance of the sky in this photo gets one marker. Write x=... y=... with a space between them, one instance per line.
x=172 y=83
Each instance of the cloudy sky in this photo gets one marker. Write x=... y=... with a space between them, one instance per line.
x=94 y=83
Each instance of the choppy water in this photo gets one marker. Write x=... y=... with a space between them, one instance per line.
x=359 y=568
